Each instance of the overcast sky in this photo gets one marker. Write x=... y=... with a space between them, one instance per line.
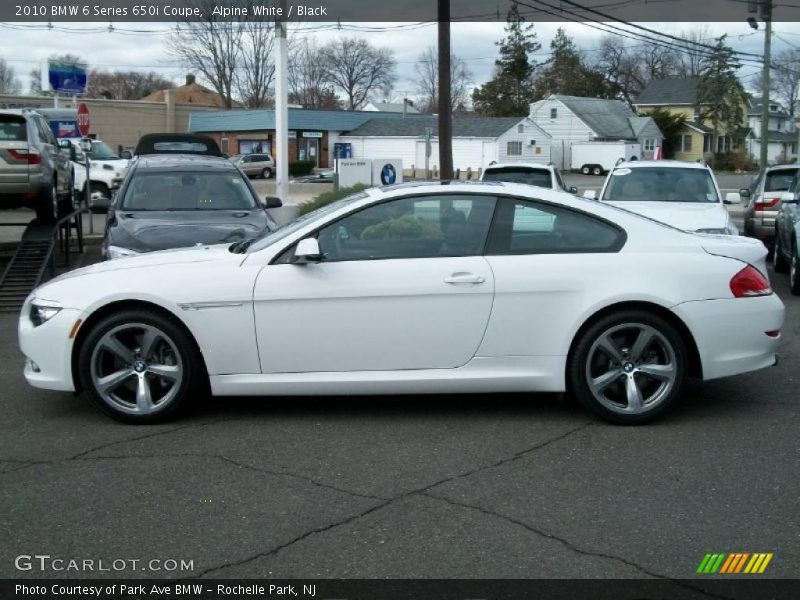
x=24 y=46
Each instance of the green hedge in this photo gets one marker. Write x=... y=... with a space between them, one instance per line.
x=301 y=167
x=332 y=196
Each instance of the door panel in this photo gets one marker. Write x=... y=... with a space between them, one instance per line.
x=372 y=314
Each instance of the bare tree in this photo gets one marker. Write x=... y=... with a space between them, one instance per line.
x=659 y=62
x=784 y=80
x=622 y=70
x=308 y=79
x=690 y=62
x=9 y=84
x=358 y=69
x=255 y=77
x=427 y=82
x=125 y=85
x=211 y=47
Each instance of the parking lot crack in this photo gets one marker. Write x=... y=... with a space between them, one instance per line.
x=569 y=545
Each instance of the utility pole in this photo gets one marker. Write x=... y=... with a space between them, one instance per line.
x=281 y=111
x=445 y=118
x=764 y=8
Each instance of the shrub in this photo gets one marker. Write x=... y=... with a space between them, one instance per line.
x=405 y=227
x=733 y=161
x=301 y=167
x=332 y=196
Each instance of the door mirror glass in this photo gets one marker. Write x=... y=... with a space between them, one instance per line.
x=126 y=154
x=65 y=144
x=272 y=202
x=744 y=193
x=732 y=198
x=307 y=251
x=573 y=190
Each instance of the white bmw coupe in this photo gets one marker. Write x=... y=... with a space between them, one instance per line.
x=418 y=288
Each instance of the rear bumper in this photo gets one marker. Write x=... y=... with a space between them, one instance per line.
x=731 y=334
x=761 y=228
x=15 y=195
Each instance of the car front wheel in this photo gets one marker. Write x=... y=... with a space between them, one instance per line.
x=140 y=367
x=266 y=173
x=628 y=367
x=779 y=261
x=794 y=272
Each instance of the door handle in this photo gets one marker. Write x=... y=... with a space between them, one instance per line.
x=456 y=278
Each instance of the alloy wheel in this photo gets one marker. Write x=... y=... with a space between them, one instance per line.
x=136 y=368
x=631 y=368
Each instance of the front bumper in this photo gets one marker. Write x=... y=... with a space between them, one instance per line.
x=48 y=349
x=731 y=334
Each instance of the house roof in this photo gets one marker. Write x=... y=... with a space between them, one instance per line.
x=783 y=137
x=638 y=123
x=479 y=127
x=192 y=93
x=607 y=118
x=668 y=91
x=756 y=104
x=299 y=118
x=699 y=127
x=393 y=107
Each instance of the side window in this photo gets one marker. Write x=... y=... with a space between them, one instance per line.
x=45 y=135
x=414 y=227
x=559 y=181
x=526 y=227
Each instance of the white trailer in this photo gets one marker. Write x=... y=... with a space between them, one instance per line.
x=596 y=158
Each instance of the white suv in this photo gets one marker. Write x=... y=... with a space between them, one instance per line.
x=106 y=172
x=546 y=176
x=682 y=194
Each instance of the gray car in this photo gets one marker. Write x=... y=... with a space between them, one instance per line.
x=256 y=165
x=34 y=172
x=762 y=201
x=787 y=233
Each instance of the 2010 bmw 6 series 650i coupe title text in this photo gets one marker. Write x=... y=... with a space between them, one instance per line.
x=413 y=289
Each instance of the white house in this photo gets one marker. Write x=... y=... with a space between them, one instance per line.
x=569 y=119
x=477 y=141
x=396 y=107
x=782 y=144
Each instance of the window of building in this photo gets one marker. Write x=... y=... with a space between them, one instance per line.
x=553 y=113
x=520 y=128
x=685 y=143
x=707 y=143
x=723 y=143
x=649 y=144
x=514 y=148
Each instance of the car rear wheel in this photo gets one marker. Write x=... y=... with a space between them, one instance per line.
x=794 y=272
x=266 y=173
x=140 y=367
x=778 y=259
x=628 y=367
x=47 y=205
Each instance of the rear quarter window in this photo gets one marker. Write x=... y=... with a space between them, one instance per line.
x=13 y=128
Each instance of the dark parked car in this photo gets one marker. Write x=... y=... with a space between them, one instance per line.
x=177 y=143
x=173 y=201
x=787 y=234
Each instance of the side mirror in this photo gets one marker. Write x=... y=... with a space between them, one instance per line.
x=573 y=190
x=744 y=193
x=732 y=198
x=65 y=144
x=272 y=202
x=126 y=154
x=307 y=251
x=590 y=194
x=86 y=144
x=789 y=198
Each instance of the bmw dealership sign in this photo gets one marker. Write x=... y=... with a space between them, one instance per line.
x=67 y=77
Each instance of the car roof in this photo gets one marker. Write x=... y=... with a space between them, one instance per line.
x=783 y=167
x=667 y=164
x=183 y=162
x=147 y=143
x=519 y=165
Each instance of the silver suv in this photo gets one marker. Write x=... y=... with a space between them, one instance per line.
x=34 y=172
x=763 y=201
x=255 y=165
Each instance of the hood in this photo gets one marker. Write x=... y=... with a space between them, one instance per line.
x=688 y=216
x=152 y=259
x=119 y=166
x=145 y=231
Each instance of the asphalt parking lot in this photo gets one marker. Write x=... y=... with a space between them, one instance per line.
x=483 y=486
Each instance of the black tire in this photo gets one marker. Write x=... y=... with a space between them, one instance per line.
x=666 y=352
x=586 y=170
x=794 y=272
x=779 y=261
x=597 y=170
x=47 y=205
x=174 y=349
x=66 y=203
x=266 y=173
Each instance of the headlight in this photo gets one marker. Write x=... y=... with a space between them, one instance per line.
x=42 y=311
x=119 y=252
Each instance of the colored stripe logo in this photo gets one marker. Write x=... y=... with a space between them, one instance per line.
x=735 y=563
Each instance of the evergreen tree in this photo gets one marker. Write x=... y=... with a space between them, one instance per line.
x=510 y=91
x=720 y=96
x=566 y=72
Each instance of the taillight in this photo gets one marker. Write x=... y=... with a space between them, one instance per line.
x=764 y=203
x=32 y=157
x=750 y=282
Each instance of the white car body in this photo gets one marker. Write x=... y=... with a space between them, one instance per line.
x=477 y=323
x=110 y=173
x=556 y=180
x=688 y=216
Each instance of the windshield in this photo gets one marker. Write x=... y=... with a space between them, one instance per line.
x=101 y=151
x=779 y=181
x=660 y=184
x=302 y=221
x=537 y=177
x=184 y=190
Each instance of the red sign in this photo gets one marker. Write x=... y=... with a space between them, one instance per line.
x=83 y=119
